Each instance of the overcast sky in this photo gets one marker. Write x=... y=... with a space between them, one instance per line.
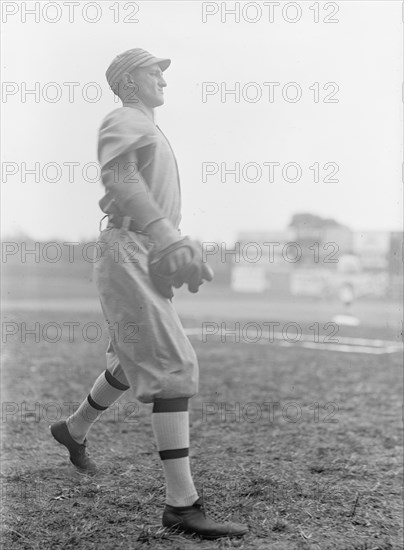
x=361 y=132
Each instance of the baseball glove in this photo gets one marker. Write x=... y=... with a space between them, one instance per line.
x=191 y=273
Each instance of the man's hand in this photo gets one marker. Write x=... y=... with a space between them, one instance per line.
x=174 y=261
x=177 y=259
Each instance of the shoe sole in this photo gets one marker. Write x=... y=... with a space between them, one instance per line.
x=181 y=530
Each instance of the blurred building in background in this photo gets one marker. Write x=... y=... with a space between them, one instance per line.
x=313 y=256
x=320 y=258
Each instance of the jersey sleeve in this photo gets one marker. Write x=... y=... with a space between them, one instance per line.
x=122 y=137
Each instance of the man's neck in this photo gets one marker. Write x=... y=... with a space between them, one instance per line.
x=149 y=111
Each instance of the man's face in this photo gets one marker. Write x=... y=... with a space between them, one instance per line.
x=150 y=85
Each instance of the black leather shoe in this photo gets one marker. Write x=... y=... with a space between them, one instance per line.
x=78 y=451
x=193 y=519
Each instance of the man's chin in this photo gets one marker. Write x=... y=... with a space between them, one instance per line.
x=155 y=102
x=159 y=102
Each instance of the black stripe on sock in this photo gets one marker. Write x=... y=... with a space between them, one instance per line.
x=174 y=453
x=112 y=381
x=179 y=404
x=94 y=404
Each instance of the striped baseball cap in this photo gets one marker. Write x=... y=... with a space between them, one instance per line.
x=129 y=60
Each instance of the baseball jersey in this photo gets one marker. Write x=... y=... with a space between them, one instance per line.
x=138 y=169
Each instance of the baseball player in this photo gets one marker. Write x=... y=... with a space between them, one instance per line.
x=143 y=256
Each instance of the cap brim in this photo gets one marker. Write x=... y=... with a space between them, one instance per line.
x=162 y=63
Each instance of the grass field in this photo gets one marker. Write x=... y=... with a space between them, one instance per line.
x=303 y=445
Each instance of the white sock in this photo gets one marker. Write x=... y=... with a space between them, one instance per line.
x=171 y=430
x=105 y=391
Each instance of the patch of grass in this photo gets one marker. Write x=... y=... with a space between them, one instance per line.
x=267 y=448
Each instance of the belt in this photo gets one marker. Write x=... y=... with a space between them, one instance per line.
x=117 y=221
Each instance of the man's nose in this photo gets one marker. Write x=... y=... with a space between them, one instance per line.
x=162 y=82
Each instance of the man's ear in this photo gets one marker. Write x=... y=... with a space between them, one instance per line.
x=127 y=80
x=128 y=88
